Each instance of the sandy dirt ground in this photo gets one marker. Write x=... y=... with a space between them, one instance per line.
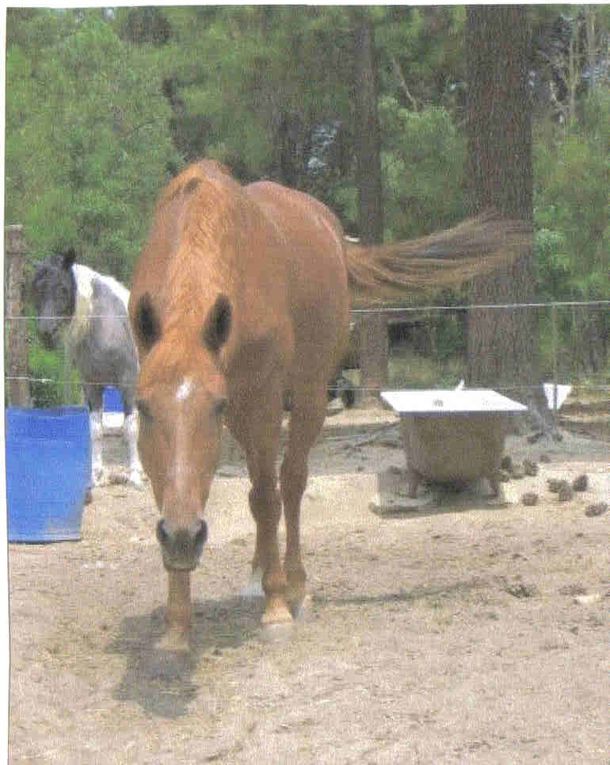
x=457 y=632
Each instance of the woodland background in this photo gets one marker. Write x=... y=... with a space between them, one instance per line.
x=103 y=106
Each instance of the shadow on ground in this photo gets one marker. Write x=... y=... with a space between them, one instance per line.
x=392 y=500
x=161 y=680
x=402 y=596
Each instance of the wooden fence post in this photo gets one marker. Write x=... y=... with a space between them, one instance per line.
x=16 y=329
x=373 y=354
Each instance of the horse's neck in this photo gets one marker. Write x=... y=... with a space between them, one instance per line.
x=83 y=304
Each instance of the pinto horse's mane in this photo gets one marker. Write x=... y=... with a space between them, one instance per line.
x=84 y=278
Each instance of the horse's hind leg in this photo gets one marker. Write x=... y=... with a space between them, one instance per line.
x=306 y=422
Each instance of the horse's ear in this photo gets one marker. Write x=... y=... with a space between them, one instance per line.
x=146 y=323
x=68 y=258
x=218 y=324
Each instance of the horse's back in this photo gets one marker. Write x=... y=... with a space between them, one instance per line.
x=312 y=239
x=307 y=225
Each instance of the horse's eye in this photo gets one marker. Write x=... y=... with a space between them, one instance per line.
x=143 y=408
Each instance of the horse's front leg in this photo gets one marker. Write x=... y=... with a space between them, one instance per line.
x=306 y=421
x=179 y=611
x=266 y=508
x=257 y=426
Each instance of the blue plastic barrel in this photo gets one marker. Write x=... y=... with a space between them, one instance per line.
x=113 y=400
x=48 y=472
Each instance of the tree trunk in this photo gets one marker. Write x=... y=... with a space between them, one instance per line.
x=373 y=335
x=589 y=12
x=367 y=141
x=502 y=343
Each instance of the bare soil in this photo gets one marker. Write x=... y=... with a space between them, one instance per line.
x=458 y=631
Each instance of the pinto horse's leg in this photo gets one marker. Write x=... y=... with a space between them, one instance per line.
x=306 y=421
x=97 y=436
x=93 y=395
x=130 y=434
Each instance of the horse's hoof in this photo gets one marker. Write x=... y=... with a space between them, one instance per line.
x=276 y=613
x=277 y=632
x=135 y=480
x=100 y=478
x=300 y=608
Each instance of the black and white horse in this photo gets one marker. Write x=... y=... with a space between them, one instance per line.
x=90 y=311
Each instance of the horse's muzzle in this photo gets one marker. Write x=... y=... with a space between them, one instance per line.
x=182 y=548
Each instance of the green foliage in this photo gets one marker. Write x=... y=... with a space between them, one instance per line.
x=423 y=167
x=48 y=387
x=87 y=137
x=246 y=85
x=552 y=263
x=571 y=207
x=250 y=83
x=408 y=369
x=572 y=239
x=421 y=52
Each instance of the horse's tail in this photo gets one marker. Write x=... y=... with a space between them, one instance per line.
x=475 y=247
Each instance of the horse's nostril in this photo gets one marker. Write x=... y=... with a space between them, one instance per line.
x=162 y=535
x=181 y=548
x=183 y=538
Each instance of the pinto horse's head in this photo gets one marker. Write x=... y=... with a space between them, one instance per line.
x=54 y=295
x=181 y=396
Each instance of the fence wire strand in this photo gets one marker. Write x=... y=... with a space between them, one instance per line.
x=360 y=388
x=358 y=313
x=385 y=309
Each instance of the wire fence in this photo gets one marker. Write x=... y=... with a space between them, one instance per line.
x=389 y=310
x=427 y=348
x=479 y=306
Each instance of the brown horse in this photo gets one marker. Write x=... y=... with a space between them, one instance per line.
x=240 y=298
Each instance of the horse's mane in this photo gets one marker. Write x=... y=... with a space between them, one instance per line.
x=204 y=203
x=191 y=178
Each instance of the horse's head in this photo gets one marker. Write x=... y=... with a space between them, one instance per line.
x=181 y=396
x=54 y=295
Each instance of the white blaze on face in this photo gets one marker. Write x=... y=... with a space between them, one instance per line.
x=181 y=469
x=184 y=390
